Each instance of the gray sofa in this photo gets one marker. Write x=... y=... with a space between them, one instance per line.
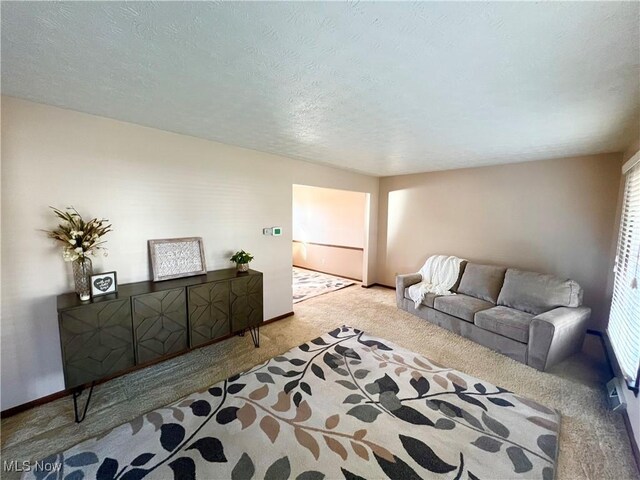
x=533 y=318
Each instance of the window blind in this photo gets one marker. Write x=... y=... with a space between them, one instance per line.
x=624 y=320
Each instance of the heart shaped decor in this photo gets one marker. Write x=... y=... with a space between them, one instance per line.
x=103 y=284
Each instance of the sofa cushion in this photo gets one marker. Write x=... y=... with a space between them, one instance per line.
x=505 y=321
x=537 y=293
x=428 y=298
x=482 y=281
x=461 y=306
x=463 y=265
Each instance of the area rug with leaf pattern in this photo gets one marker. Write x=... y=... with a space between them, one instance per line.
x=345 y=405
x=308 y=284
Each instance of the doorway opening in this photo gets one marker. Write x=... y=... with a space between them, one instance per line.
x=329 y=232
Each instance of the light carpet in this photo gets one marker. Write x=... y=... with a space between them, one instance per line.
x=593 y=441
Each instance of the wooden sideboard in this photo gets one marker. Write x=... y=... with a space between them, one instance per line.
x=146 y=322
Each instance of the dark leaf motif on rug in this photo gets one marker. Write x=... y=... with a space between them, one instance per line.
x=346 y=352
x=227 y=415
x=547 y=444
x=108 y=469
x=210 y=448
x=421 y=385
x=349 y=475
x=396 y=469
x=501 y=402
x=521 y=462
x=244 y=469
x=279 y=470
x=354 y=398
x=184 y=468
x=413 y=416
x=75 y=475
x=374 y=343
x=317 y=371
x=311 y=475
x=425 y=456
x=142 y=459
x=171 y=435
x=471 y=400
x=134 y=474
x=385 y=384
x=200 y=408
x=215 y=391
x=495 y=426
x=264 y=377
x=365 y=413
x=81 y=459
x=235 y=388
x=488 y=444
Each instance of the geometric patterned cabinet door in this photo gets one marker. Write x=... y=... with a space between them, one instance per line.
x=208 y=312
x=246 y=302
x=159 y=324
x=96 y=341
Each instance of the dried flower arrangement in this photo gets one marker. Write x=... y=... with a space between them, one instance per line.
x=81 y=239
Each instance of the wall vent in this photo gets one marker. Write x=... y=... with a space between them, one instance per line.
x=614 y=395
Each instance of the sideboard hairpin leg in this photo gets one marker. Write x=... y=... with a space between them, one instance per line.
x=76 y=395
x=255 y=336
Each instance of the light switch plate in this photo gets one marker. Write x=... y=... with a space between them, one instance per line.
x=267 y=231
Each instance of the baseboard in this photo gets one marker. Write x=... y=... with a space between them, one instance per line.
x=328 y=273
x=279 y=317
x=378 y=285
x=9 y=412
x=63 y=393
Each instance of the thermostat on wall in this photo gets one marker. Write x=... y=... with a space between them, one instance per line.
x=275 y=231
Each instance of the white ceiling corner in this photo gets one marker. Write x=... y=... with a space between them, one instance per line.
x=382 y=88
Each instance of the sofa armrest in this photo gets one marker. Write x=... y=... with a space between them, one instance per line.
x=556 y=334
x=404 y=281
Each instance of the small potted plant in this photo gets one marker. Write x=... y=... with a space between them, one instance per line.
x=242 y=260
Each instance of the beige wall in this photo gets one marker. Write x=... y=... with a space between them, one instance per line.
x=554 y=216
x=337 y=261
x=330 y=217
x=150 y=184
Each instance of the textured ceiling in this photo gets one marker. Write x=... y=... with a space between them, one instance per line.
x=382 y=88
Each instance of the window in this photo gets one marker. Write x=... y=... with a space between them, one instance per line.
x=624 y=320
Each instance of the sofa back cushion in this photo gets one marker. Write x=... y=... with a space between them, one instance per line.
x=537 y=293
x=482 y=281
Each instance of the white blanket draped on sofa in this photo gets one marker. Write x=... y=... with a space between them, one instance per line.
x=439 y=275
